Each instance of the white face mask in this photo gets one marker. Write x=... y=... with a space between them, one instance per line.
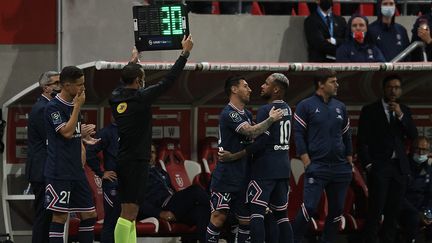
x=420 y=158
x=388 y=11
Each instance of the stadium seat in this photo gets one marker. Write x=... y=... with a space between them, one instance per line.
x=366 y=9
x=171 y=159
x=303 y=9
x=209 y=159
x=256 y=9
x=215 y=7
x=336 y=8
x=295 y=199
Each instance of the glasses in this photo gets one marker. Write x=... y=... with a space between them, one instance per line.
x=53 y=83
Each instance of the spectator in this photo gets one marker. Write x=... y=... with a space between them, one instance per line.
x=417 y=203
x=384 y=127
x=358 y=47
x=189 y=206
x=390 y=37
x=37 y=154
x=421 y=32
x=324 y=32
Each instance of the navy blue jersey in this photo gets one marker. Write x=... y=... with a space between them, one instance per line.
x=37 y=141
x=322 y=130
x=64 y=155
x=231 y=176
x=272 y=161
x=132 y=112
x=109 y=147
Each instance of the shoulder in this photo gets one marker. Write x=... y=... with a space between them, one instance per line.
x=305 y=102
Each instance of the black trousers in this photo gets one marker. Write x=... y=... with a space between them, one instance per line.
x=386 y=190
x=191 y=206
x=43 y=217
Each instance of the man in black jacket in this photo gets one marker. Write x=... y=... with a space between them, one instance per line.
x=324 y=32
x=384 y=126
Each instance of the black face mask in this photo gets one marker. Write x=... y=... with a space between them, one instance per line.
x=326 y=4
x=54 y=93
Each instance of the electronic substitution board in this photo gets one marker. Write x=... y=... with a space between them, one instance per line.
x=160 y=27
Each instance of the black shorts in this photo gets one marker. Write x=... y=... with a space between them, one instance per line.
x=132 y=178
x=68 y=196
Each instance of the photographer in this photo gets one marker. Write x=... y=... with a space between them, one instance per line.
x=416 y=205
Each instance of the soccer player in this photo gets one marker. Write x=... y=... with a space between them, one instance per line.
x=228 y=184
x=270 y=167
x=131 y=107
x=67 y=189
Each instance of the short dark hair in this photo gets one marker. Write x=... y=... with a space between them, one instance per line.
x=390 y=78
x=232 y=81
x=70 y=74
x=321 y=76
x=130 y=72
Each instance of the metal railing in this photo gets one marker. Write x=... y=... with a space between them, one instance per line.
x=410 y=49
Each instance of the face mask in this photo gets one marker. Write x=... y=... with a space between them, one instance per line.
x=420 y=158
x=54 y=93
x=326 y=4
x=359 y=36
x=388 y=11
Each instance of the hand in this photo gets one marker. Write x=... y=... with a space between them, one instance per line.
x=79 y=99
x=225 y=156
x=424 y=34
x=135 y=55
x=109 y=175
x=305 y=159
x=275 y=114
x=393 y=106
x=87 y=130
x=167 y=216
x=187 y=43
x=90 y=141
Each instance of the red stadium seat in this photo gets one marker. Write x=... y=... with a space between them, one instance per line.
x=366 y=9
x=171 y=159
x=303 y=9
x=256 y=9
x=215 y=7
x=209 y=159
x=336 y=8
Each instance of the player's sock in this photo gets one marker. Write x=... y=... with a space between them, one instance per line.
x=212 y=235
x=85 y=231
x=122 y=230
x=243 y=235
x=56 y=232
x=132 y=235
x=257 y=227
x=285 y=229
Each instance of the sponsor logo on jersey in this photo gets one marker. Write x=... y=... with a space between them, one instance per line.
x=121 y=107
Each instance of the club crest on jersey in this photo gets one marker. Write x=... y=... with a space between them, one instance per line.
x=121 y=107
x=179 y=180
x=235 y=116
x=56 y=118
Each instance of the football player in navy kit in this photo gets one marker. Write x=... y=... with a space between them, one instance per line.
x=67 y=189
x=228 y=183
x=270 y=166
